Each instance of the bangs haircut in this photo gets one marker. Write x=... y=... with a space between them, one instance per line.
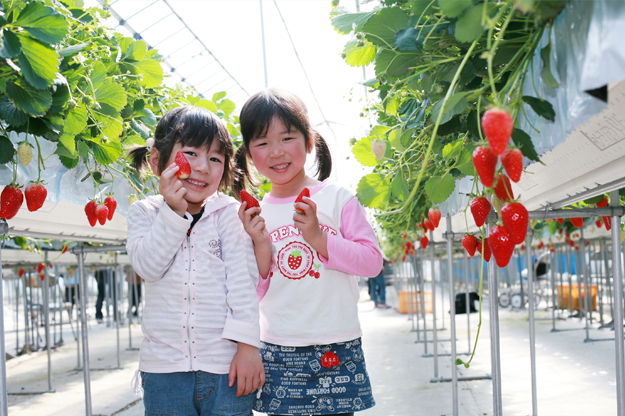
x=260 y=110
x=195 y=127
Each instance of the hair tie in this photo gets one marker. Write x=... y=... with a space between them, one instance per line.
x=149 y=143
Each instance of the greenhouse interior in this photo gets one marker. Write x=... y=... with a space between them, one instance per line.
x=480 y=143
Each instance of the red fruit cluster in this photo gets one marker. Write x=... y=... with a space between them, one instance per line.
x=502 y=239
x=100 y=212
x=11 y=198
x=408 y=248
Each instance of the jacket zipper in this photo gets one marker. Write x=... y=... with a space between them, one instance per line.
x=189 y=304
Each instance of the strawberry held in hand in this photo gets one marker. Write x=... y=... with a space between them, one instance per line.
x=250 y=200
x=36 y=194
x=184 y=170
x=434 y=214
x=305 y=193
x=501 y=245
x=485 y=163
x=515 y=220
x=469 y=242
x=111 y=204
x=497 y=126
x=11 y=200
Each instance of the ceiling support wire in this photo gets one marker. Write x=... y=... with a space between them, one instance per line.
x=169 y=37
x=262 y=32
x=198 y=70
x=155 y=23
x=140 y=11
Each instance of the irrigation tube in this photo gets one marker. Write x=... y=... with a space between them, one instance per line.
x=452 y=315
x=494 y=333
x=530 y=290
x=84 y=335
x=618 y=305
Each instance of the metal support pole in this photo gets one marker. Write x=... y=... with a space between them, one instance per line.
x=434 y=329
x=467 y=306
x=422 y=289
x=84 y=335
x=530 y=289
x=618 y=306
x=46 y=315
x=569 y=269
x=552 y=272
x=116 y=305
x=587 y=288
x=4 y=401
x=452 y=316
x=262 y=32
x=493 y=307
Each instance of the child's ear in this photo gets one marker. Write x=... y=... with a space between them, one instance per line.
x=311 y=143
x=153 y=160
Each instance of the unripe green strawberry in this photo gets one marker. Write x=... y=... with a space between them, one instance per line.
x=132 y=199
x=378 y=147
x=25 y=153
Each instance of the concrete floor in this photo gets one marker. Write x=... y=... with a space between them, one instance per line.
x=573 y=377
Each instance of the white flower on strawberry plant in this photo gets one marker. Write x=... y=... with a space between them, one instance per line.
x=378 y=147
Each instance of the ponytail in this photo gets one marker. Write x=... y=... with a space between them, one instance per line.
x=324 y=158
x=241 y=172
x=139 y=158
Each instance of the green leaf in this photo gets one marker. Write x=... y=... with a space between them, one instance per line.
x=465 y=161
x=72 y=50
x=227 y=107
x=106 y=153
x=59 y=98
x=140 y=128
x=456 y=104
x=408 y=39
x=69 y=141
x=454 y=8
x=98 y=75
x=381 y=28
x=147 y=116
x=524 y=6
x=42 y=62
x=406 y=137
x=439 y=188
x=553 y=227
x=69 y=162
x=399 y=187
x=547 y=9
x=374 y=190
x=27 y=98
x=133 y=141
x=136 y=51
x=363 y=153
x=524 y=142
x=542 y=107
x=420 y=6
x=43 y=22
x=11 y=114
x=344 y=23
x=152 y=73
x=6 y=149
x=209 y=105
x=594 y=199
x=469 y=26
x=111 y=94
x=75 y=120
x=83 y=149
x=10 y=45
x=379 y=132
x=453 y=149
x=394 y=139
x=396 y=64
x=109 y=121
x=218 y=96
x=546 y=75
x=359 y=55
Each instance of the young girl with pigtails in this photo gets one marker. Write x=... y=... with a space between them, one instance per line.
x=200 y=322
x=309 y=250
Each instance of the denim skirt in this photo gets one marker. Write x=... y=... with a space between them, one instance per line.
x=314 y=380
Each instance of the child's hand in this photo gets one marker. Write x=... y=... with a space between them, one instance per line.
x=254 y=224
x=172 y=190
x=247 y=369
x=308 y=224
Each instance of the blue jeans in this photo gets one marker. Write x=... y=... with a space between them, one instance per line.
x=192 y=394
x=378 y=288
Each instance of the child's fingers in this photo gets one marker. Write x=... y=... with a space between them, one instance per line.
x=242 y=211
x=170 y=171
x=262 y=378
x=303 y=207
x=311 y=203
x=232 y=376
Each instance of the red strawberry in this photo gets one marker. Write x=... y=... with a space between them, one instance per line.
x=305 y=193
x=425 y=228
x=522 y=247
x=111 y=204
x=497 y=126
x=42 y=276
x=486 y=254
x=40 y=267
x=503 y=188
x=424 y=242
x=428 y=225
x=603 y=203
x=572 y=243
x=403 y=258
x=11 y=200
x=90 y=211
x=184 y=170
x=251 y=201
x=434 y=214
x=608 y=222
x=21 y=272
x=587 y=243
x=469 y=242
x=501 y=245
x=577 y=222
x=35 y=193
x=512 y=161
x=598 y=223
x=515 y=220
x=552 y=250
x=480 y=208
x=485 y=163
x=65 y=248
x=541 y=245
x=560 y=220
x=295 y=259
x=101 y=213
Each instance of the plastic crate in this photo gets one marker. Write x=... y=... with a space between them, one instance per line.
x=404 y=307
x=563 y=296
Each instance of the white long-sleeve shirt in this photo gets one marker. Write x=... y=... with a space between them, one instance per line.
x=200 y=288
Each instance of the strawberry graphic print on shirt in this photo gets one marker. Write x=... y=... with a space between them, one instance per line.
x=295 y=260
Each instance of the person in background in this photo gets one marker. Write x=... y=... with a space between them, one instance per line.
x=377 y=289
x=134 y=286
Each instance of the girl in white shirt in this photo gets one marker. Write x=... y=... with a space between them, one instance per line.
x=200 y=322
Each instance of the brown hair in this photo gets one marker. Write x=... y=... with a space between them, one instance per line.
x=189 y=126
x=256 y=117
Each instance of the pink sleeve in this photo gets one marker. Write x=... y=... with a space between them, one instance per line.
x=357 y=252
x=263 y=286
